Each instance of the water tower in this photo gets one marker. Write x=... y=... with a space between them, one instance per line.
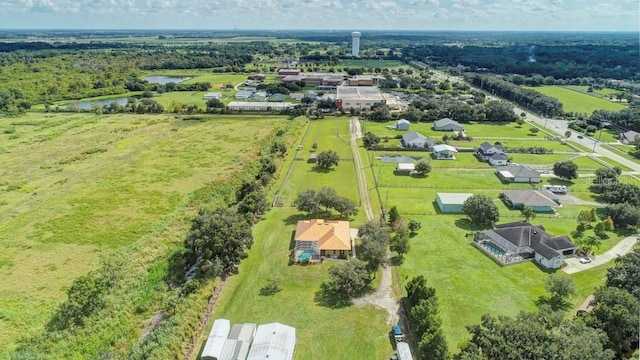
x=355 y=43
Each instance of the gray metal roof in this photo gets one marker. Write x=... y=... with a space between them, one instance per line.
x=453 y=198
x=445 y=122
x=531 y=197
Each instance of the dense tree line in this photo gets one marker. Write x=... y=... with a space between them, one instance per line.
x=422 y=308
x=605 y=60
x=527 y=98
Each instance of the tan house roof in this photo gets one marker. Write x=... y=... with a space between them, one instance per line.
x=330 y=235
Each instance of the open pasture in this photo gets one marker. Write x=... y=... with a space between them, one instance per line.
x=76 y=187
x=578 y=102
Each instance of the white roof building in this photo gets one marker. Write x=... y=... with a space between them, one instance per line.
x=273 y=341
x=258 y=106
x=217 y=338
x=358 y=97
x=215 y=95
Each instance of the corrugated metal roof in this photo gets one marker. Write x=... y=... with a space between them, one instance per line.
x=217 y=337
x=453 y=198
x=273 y=341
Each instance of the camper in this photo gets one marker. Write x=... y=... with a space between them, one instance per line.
x=556 y=189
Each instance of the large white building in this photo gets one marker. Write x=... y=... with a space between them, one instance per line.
x=358 y=97
x=355 y=43
x=258 y=106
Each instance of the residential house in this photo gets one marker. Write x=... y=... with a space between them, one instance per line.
x=416 y=140
x=447 y=124
x=316 y=238
x=520 y=241
x=518 y=174
x=444 y=152
x=629 y=137
x=451 y=202
x=498 y=159
x=538 y=200
x=494 y=154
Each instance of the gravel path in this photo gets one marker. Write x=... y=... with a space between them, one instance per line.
x=383 y=296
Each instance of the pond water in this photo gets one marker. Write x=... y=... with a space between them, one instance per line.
x=163 y=79
x=85 y=105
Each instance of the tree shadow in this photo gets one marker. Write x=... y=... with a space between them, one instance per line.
x=321 y=170
x=554 y=303
x=328 y=298
x=466 y=224
x=293 y=219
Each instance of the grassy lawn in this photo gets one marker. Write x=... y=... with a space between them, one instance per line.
x=622 y=150
x=362 y=331
x=327 y=134
x=488 y=130
x=574 y=101
x=76 y=187
x=587 y=164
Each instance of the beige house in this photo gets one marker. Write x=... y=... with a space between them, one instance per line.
x=317 y=237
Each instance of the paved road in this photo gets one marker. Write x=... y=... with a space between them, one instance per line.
x=625 y=246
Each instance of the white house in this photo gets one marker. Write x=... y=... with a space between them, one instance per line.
x=416 y=140
x=402 y=124
x=498 y=159
x=443 y=151
x=629 y=137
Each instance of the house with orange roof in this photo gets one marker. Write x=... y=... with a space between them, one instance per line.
x=316 y=238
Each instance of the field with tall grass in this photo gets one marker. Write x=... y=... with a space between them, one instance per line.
x=77 y=188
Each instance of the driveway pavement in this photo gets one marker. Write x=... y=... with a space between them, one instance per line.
x=623 y=247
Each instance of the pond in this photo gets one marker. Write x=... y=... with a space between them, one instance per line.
x=86 y=105
x=163 y=79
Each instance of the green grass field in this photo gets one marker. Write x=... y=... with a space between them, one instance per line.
x=327 y=134
x=486 y=130
x=469 y=283
x=362 y=332
x=577 y=102
x=76 y=187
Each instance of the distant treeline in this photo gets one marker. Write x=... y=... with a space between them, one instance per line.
x=615 y=61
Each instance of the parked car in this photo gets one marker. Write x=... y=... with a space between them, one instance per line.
x=585 y=260
x=397 y=333
x=580 y=137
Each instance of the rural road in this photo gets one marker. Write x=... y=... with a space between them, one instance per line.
x=383 y=296
x=625 y=246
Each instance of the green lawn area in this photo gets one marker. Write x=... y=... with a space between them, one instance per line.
x=362 y=332
x=328 y=134
x=77 y=187
x=488 y=130
x=574 y=101
x=469 y=283
x=587 y=164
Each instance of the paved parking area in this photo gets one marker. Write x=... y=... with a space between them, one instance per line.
x=623 y=247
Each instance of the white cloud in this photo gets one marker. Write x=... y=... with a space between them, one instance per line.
x=336 y=14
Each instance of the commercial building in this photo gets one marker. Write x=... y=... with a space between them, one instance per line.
x=358 y=97
x=258 y=106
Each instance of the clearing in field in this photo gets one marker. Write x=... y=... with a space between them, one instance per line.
x=77 y=187
x=578 y=102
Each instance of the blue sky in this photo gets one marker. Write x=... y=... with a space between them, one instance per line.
x=541 y=15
